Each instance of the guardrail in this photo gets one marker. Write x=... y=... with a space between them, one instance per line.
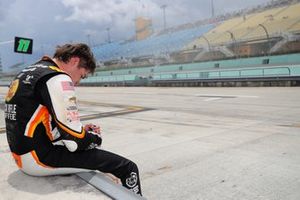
x=241 y=73
x=230 y=73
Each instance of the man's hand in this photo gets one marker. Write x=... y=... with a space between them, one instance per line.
x=92 y=127
x=96 y=131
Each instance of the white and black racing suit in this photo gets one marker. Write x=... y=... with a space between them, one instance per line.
x=44 y=131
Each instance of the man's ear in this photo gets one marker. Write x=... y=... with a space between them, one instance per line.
x=75 y=60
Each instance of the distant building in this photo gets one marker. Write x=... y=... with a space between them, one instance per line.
x=143 y=28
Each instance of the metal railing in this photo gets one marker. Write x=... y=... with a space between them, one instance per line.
x=241 y=73
x=230 y=73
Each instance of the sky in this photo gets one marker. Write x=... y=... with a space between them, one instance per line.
x=53 y=22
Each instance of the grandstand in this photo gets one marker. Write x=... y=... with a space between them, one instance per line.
x=256 y=33
x=152 y=46
x=253 y=45
x=265 y=26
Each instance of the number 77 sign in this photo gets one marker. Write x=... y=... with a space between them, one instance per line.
x=23 y=45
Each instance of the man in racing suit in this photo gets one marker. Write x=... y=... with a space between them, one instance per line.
x=43 y=128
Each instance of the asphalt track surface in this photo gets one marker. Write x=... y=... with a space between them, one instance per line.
x=189 y=143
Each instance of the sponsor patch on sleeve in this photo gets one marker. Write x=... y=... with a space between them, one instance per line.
x=71 y=109
x=12 y=90
x=67 y=85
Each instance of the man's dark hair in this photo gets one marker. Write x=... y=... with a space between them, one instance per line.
x=67 y=51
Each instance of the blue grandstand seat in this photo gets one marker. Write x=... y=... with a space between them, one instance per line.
x=160 y=44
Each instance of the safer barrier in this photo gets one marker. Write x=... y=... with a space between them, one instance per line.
x=241 y=73
x=220 y=74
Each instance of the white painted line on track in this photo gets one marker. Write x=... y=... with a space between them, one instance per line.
x=212 y=99
x=225 y=96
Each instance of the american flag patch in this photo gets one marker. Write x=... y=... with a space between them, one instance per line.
x=67 y=85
